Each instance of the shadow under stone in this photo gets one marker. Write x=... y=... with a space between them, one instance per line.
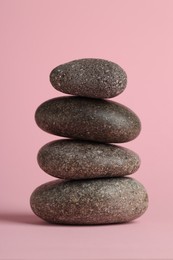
x=31 y=219
x=21 y=218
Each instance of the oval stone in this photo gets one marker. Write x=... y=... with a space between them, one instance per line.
x=96 y=78
x=94 y=201
x=75 y=159
x=88 y=119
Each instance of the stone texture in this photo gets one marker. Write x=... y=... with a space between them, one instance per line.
x=88 y=119
x=96 y=78
x=94 y=201
x=74 y=159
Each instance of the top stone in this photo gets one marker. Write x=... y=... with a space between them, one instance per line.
x=95 y=78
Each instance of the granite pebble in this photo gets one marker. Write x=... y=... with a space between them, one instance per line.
x=95 y=78
x=87 y=202
x=88 y=119
x=75 y=159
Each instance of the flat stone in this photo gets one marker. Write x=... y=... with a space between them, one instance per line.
x=75 y=159
x=96 y=78
x=88 y=119
x=94 y=201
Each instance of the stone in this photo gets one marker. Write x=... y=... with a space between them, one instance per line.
x=95 y=78
x=75 y=159
x=88 y=119
x=89 y=202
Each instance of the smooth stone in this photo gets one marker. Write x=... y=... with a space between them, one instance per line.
x=96 y=78
x=73 y=159
x=94 y=201
x=88 y=119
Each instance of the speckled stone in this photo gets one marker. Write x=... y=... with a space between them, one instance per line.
x=88 y=119
x=96 y=78
x=94 y=201
x=74 y=159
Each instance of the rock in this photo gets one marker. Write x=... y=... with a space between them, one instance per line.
x=88 y=119
x=96 y=78
x=73 y=159
x=94 y=201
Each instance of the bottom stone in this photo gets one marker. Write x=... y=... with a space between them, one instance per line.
x=92 y=201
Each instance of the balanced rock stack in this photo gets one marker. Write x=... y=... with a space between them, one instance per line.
x=94 y=189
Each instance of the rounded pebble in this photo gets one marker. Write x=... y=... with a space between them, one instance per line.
x=73 y=159
x=96 y=78
x=94 y=201
x=88 y=119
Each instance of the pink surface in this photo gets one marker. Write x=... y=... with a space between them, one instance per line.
x=38 y=35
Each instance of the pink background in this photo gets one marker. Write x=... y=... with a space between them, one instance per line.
x=36 y=36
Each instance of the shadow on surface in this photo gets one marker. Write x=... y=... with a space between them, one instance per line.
x=31 y=219
x=21 y=218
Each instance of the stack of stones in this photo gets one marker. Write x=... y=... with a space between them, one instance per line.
x=94 y=189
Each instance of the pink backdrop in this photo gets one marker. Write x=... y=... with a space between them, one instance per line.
x=36 y=36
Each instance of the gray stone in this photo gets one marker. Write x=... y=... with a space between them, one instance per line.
x=94 y=201
x=96 y=78
x=88 y=119
x=74 y=159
